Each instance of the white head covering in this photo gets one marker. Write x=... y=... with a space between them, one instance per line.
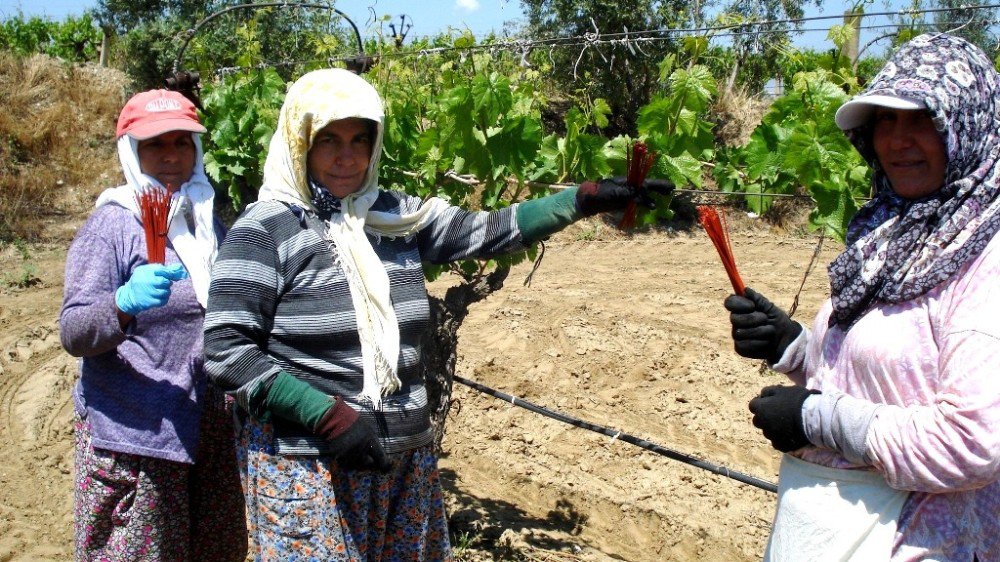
x=196 y=250
x=312 y=102
x=858 y=110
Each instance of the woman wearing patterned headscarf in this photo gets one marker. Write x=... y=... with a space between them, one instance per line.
x=316 y=314
x=892 y=426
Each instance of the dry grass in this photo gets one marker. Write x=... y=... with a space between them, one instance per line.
x=737 y=114
x=56 y=140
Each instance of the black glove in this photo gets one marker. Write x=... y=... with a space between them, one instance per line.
x=760 y=329
x=614 y=194
x=354 y=442
x=778 y=413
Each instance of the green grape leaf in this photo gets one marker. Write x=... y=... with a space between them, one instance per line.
x=834 y=208
x=601 y=110
x=683 y=169
x=693 y=88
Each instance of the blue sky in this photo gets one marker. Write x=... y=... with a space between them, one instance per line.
x=431 y=16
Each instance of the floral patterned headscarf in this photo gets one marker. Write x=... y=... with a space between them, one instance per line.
x=899 y=249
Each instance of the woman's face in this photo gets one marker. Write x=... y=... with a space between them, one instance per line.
x=168 y=157
x=910 y=150
x=339 y=156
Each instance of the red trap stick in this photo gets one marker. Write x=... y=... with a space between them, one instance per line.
x=154 y=207
x=638 y=161
x=715 y=225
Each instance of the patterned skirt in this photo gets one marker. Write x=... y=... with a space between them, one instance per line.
x=307 y=508
x=133 y=508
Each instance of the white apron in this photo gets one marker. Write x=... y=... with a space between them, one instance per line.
x=832 y=514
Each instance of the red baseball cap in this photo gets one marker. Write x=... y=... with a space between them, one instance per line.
x=152 y=113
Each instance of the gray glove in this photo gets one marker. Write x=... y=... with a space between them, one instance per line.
x=354 y=442
x=614 y=194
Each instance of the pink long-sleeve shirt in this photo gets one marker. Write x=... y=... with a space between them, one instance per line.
x=935 y=363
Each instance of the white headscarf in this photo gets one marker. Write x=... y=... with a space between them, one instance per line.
x=196 y=250
x=313 y=101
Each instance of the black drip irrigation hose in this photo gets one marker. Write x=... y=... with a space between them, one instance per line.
x=642 y=443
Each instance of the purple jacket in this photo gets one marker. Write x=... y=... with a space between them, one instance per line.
x=140 y=389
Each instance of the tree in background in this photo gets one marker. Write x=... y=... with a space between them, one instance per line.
x=972 y=24
x=122 y=15
x=146 y=34
x=152 y=32
x=624 y=77
x=758 y=47
x=628 y=77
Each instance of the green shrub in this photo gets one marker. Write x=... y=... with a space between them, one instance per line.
x=75 y=39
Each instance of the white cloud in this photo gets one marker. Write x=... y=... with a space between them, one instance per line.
x=468 y=5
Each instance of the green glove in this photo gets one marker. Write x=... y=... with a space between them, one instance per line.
x=353 y=442
x=539 y=218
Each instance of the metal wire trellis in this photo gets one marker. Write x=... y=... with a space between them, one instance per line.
x=634 y=39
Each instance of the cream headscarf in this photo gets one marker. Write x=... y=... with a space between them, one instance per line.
x=313 y=101
x=197 y=249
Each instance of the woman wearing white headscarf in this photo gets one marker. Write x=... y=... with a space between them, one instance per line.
x=316 y=314
x=155 y=467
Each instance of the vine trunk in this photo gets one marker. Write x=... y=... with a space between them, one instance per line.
x=439 y=352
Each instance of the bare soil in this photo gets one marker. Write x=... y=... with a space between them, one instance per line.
x=623 y=331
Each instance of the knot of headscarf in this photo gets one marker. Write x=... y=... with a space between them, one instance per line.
x=899 y=249
x=324 y=201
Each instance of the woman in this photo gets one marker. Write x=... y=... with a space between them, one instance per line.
x=317 y=310
x=897 y=403
x=156 y=477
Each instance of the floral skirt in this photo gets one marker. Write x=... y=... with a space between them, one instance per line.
x=307 y=508
x=133 y=508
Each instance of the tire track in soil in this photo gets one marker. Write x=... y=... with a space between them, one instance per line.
x=36 y=455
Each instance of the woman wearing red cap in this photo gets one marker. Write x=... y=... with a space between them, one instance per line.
x=156 y=476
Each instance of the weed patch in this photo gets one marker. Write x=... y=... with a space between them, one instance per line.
x=56 y=139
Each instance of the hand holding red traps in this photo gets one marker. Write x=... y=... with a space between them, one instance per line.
x=638 y=161
x=715 y=225
x=154 y=208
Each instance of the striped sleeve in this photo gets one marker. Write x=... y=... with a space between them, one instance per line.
x=459 y=234
x=246 y=282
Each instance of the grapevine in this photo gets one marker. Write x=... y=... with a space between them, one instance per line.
x=479 y=116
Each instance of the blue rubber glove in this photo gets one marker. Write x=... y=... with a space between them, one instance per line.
x=149 y=287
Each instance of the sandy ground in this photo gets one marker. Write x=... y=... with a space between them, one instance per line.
x=623 y=331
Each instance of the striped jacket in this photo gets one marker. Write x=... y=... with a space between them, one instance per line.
x=279 y=300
